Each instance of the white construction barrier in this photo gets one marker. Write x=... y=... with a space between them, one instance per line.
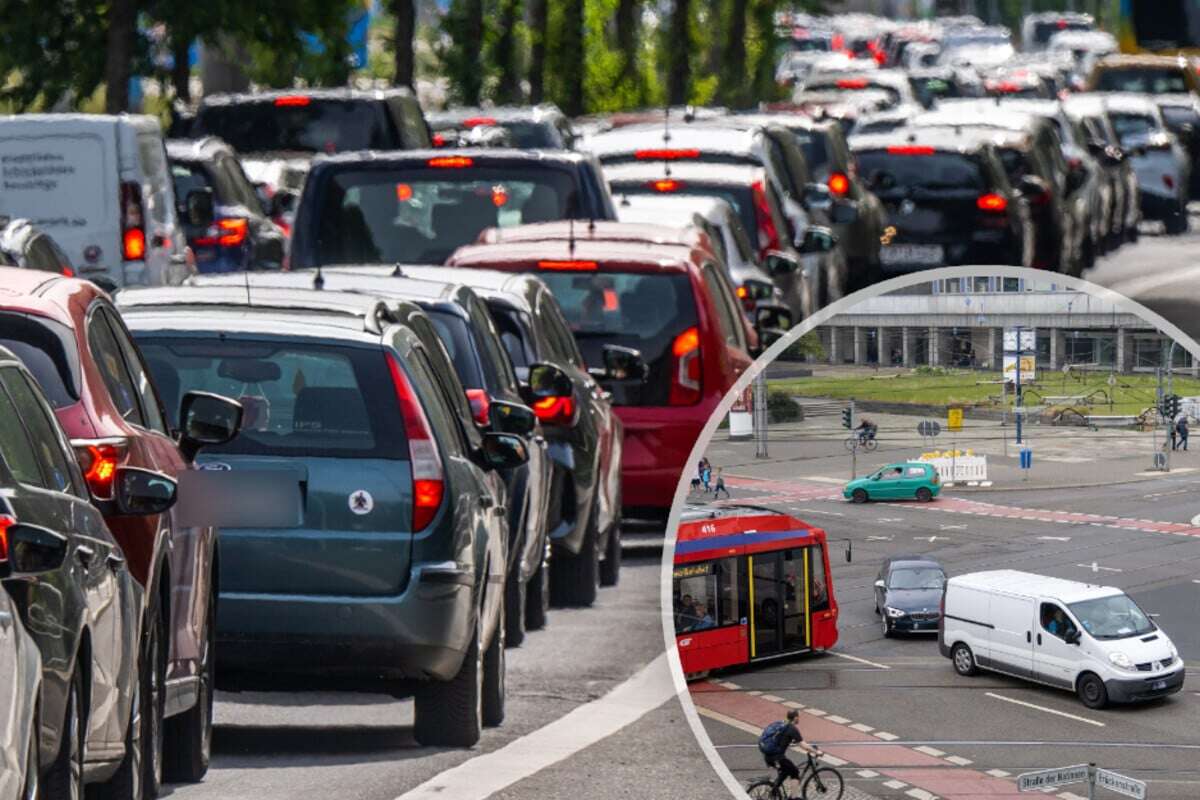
x=960 y=469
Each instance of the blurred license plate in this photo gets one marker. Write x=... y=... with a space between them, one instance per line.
x=1154 y=687
x=925 y=255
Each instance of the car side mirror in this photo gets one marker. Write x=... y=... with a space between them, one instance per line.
x=282 y=202
x=207 y=419
x=623 y=363
x=880 y=585
x=779 y=263
x=1076 y=177
x=32 y=550
x=818 y=197
x=817 y=240
x=844 y=213
x=141 y=492
x=1072 y=636
x=514 y=418
x=548 y=380
x=199 y=206
x=875 y=477
x=503 y=451
x=1032 y=186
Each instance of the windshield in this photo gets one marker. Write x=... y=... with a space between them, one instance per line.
x=300 y=399
x=422 y=215
x=48 y=351
x=307 y=125
x=645 y=311
x=1133 y=127
x=917 y=578
x=1116 y=617
x=1142 y=80
x=897 y=174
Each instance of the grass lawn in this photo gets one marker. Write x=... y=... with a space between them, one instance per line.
x=1131 y=394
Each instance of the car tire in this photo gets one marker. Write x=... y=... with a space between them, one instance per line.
x=1132 y=234
x=924 y=495
x=187 y=748
x=514 y=605
x=450 y=713
x=859 y=495
x=151 y=683
x=537 y=598
x=575 y=577
x=887 y=628
x=30 y=789
x=494 y=677
x=610 y=567
x=963 y=659
x=126 y=782
x=1091 y=690
x=1177 y=223
x=64 y=779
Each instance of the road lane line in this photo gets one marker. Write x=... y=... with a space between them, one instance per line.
x=862 y=727
x=894 y=784
x=998 y=773
x=583 y=726
x=1056 y=712
x=887 y=737
x=725 y=719
x=835 y=719
x=866 y=773
x=930 y=751
x=859 y=660
x=959 y=760
x=921 y=794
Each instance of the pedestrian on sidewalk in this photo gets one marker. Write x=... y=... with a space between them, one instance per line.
x=1174 y=434
x=720 y=487
x=1181 y=428
x=706 y=477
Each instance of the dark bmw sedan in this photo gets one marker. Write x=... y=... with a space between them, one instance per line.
x=908 y=594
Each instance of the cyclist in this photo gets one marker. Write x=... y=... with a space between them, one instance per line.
x=866 y=430
x=774 y=742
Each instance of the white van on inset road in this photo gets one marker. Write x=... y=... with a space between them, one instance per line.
x=101 y=187
x=1092 y=640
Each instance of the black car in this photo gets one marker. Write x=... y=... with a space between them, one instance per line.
x=908 y=594
x=23 y=244
x=948 y=201
x=583 y=433
x=1181 y=112
x=222 y=215
x=540 y=127
x=69 y=581
x=419 y=207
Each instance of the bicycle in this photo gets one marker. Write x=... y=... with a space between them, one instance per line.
x=862 y=442
x=816 y=783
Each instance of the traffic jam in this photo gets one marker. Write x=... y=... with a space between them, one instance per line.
x=323 y=389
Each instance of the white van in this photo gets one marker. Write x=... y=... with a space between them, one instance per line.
x=1093 y=640
x=101 y=187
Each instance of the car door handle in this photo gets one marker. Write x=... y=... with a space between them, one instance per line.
x=84 y=555
x=115 y=561
x=1039 y=640
x=1028 y=637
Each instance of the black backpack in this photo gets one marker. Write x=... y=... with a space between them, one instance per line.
x=772 y=742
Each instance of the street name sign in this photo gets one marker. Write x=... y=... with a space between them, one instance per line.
x=1025 y=342
x=1121 y=784
x=1049 y=778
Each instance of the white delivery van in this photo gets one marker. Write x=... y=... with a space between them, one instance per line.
x=1092 y=640
x=101 y=187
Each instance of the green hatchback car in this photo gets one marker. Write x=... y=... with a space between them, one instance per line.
x=904 y=481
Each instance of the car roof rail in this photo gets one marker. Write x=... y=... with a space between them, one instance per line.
x=375 y=312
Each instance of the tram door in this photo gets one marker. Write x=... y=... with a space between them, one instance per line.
x=779 y=612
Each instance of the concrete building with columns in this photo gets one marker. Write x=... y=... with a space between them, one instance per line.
x=959 y=322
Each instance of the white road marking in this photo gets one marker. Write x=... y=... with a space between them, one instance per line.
x=484 y=775
x=879 y=538
x=928 y=538
x=1054 y=711
x=732 y=722
x=887 y=737
x=835 y=719
x=895 y=784
x=952 y=527
x=1055 y=538
x=834 y=761
x=890 y=519
x=1070 y=796
x=959 y=760
x=921 y=794
x=1094 y=567
x=859 y=660
x=998 y=773
x=1196 y=520
x=816 y=712
x=793 y=704
x=862 y=727
x=774 y=698
x=867 y=773
x=930 y=751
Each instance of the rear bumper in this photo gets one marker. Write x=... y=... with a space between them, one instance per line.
x=910 y=625
x=998 y=248
x=1157 y=206
x=1136 y=689
x=658 y=441
x=421 y=633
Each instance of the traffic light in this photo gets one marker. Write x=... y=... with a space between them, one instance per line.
x=1174 y=405
x=847 y=417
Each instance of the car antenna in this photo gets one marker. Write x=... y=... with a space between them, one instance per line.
x=246 y=275
x=319 y=280
x=591 y=226
x=571 y=237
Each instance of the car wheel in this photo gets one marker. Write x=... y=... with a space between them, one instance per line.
x=33 y=758
x=450 y=713
x=126 y=782
x=924 y=495
x=964 y=660
x=1092 y=691
x=1132 y=234
x=514 y=605
x=859 y=495
x=887 y=628
x=494 y=677
x=575 y=577
x=188 y=747
x=1177 y=223
x=610 y=567
x=152 y=678
x=64 y=779
x=537 y=598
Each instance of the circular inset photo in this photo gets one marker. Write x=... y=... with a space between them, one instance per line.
x=942 y=541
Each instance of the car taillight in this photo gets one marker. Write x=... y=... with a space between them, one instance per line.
x=852 y=83
x=910 y=150
x=568 y=265
x=292 y=100
x=99 y=460
x=558 y=410
x=232 y=231
x=481 y=406
x=666 y=154
x=686 y=375
x=665 y=185
x=133 y=231
x=992 y=202
x=451 y=162
x=439 y=140
x=428 y=479
x=768 y=234
x=6 y=522
x=839 y=184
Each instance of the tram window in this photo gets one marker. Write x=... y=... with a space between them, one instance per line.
x=818 y=590
x=706 y=595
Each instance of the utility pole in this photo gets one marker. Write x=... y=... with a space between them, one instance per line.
x=1160 y=459
x=1017 y=401
x=760 y=415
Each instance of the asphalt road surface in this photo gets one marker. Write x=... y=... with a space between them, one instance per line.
x=892 y=712
x=593 y=662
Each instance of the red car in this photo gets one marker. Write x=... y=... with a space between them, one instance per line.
x=635 y=286
x=73 y=341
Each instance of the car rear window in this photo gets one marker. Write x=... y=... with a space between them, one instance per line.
x=533 y=135
x=645 y=311
x=1132 y=127
x=1142 y=80
x=1042 y=31
x=740 y=198
x=1178 y=116
x=897 y=173
x=300 y=399
x=301 y=124
x=423 y=214
x=49 y=352
x=452 y=330
x=816 y=151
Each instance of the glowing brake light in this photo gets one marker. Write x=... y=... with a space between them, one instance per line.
x=233 y=231
x=555 y=410
x=404 y=192
x=665 y=185
x=451 y=162
x=99 y=459
x=133 y=244
x=292 y=100
x=438 y=140
x=768 y=234
x=6 y=522
x=992 y=202
x=910 y=150
x=133 y=230
x=686 y=376
x=481 y=406
x=852 y=83
x=568 y=266
x=839 y=184
x=666 y=154
x=428 y=478
x=471 y=122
